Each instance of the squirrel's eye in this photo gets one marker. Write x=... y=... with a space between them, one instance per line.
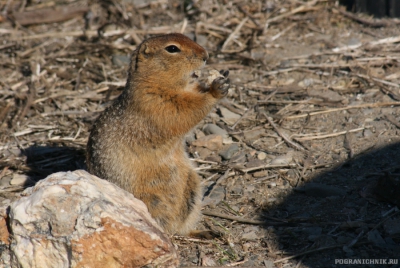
x=172 y=49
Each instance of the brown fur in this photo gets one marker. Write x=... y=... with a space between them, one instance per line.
x=137 y=143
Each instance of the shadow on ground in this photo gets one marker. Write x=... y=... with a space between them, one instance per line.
x=45 y=160
x=348 y=212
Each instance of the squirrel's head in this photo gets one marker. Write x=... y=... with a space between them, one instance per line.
x=170 y=58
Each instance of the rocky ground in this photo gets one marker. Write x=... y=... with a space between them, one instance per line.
x=299 y=162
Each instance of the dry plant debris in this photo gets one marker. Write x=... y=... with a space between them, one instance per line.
x=300 y=164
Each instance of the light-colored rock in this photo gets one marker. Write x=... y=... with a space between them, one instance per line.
x=74 y=219
x=228 y=116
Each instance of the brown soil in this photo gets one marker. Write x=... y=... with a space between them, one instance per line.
x=316 y=178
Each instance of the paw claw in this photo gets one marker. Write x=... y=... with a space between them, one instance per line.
x=221 y=84
x=225 y=73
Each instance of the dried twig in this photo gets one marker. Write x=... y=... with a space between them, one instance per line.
x=304 y=8
x=242 y=220
x=246 y=170
x=307 y=252
x=283 y=135
x=365 y=105
x=250 y=17
x=233 y=34
x=387 y=40
x=329 y=135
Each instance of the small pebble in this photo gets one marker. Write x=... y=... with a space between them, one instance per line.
x=214 y=129
x=19 y=179
x=229 y=151
x=227 y=140
x=229 y=117
x=261 y=156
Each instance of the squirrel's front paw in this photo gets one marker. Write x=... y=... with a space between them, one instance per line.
x=221 y=84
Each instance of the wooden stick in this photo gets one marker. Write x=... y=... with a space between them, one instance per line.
x=329 y=135
x=273 y=38
x=307 y=252
x=233 y=34
x=245 y=170
x=283 y=135
x=365 y=105
x=388 y=40
x=239 y=219
x=292 y=12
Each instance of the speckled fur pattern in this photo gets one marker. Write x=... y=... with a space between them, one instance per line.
x=137 y=143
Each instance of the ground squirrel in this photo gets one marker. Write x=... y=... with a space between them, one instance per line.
x=138 y=142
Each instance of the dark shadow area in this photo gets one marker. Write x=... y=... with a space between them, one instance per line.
x=378 y=8
x=45 y=160
x=348 y=212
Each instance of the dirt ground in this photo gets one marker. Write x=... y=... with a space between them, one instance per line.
x=308 y=174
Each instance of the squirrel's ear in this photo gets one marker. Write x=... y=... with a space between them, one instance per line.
x=144 y=50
